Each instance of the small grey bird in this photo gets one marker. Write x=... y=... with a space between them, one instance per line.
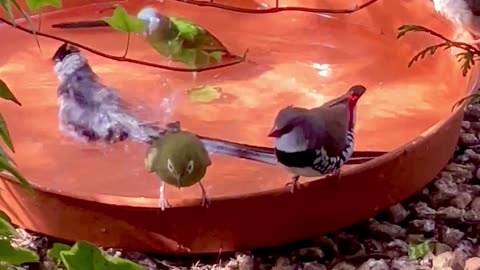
x=89 y=110
x=465 y=13
x=318 y=141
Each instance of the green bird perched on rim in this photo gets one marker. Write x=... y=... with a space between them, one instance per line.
x=179 y=158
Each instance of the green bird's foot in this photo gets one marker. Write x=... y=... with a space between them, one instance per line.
x=163 y=201
x=294 y=183
x=205 y=200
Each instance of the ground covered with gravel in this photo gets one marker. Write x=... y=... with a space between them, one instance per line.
x=446 y=213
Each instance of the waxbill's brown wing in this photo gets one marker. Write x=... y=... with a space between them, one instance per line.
x=465 y=13
x=318 y=141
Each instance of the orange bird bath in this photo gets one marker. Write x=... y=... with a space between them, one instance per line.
x=104 y=195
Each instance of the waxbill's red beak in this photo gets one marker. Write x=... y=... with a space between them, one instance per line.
x=275 y=133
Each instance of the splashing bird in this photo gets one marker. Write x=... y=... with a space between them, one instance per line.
x=318 y=141
x=178 y=39
x=464 y=13
x=88 y=109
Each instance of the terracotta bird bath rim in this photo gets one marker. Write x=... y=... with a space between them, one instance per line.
x=405 y=113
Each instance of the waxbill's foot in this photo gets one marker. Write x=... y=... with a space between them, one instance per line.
x=294 y=183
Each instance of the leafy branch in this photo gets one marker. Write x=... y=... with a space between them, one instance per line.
x=113 y=24
x=37 y=5
x=7 y=7
x=122 y=22
x=10 y=255
x=82 y=255
x=277 y=8
x=468 y=56
x=5 y=159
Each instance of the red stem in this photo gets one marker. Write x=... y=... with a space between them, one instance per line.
x=120 y=58
x=277 y=8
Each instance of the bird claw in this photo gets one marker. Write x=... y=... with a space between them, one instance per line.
x=336 y=174
x=205 y=200
x=293 y=183
x=163 y=203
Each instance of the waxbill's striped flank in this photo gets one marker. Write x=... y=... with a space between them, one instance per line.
x=465 y=13
x=318 y=141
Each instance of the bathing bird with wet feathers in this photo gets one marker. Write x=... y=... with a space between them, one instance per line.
x=175 y=38
x=318 y=141
x=88 y=109
x=465 y=13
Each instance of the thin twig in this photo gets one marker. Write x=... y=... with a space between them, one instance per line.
x=462 y=45
x=120 y=58
x=39 y=22
x=468 y=56
x=277 y=8
x=128 y=45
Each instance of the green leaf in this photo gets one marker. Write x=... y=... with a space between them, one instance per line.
x=54 y=252
x=7 y=7
x=5 y=165
x=7 y=94
x=204 y=94
x=187 y=30
x=123 y=22
x=217 y=55
x=167 y=49
x=5 y=134
x=5 y=155
x=402 y=30
x=85 y=256
x=4 y=216
x=6 y=228
x=418 y=251
x=35 y=5
x=16 y=256
x=29 y=21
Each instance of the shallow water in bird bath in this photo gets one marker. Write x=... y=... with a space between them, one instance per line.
x=295 y=58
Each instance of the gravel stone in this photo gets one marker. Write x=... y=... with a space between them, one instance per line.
x=397 y=213
x=467 y=139
x=461 y=200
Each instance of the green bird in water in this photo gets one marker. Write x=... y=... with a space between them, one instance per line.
x=180 y=159
x=181 y=40
x=176 y=38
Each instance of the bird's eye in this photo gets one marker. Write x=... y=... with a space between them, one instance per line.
x=190 y=167
x=170 y=166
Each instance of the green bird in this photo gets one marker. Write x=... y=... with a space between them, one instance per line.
x=180 y=159
x=178 y=39
x=181 y=40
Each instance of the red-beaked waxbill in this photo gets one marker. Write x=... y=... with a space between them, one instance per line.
x=318 y=141
x=465 y=13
